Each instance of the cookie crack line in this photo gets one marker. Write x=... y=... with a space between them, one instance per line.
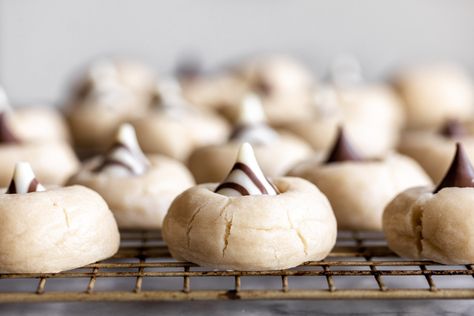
x=298 y=233
x=303 y=241
x=419 y=230
x=228 y=228
x=66 y=217
x=225 y=207
x=190 y=225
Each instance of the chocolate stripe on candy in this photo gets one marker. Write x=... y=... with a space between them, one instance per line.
x=246 y=169
x=107 y=162
x=125 y=155
x=33 y=185
x=234 y=186
x=246 y=177
x=23 y=180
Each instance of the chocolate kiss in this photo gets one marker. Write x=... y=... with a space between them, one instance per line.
x=6 y=136
x=453 y=129
x=460 y=174
x=342 y=150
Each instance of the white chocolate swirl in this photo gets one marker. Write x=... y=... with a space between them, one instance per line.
x=251 y=123
x=125 y=157
x=246 y=177
x=23 y=180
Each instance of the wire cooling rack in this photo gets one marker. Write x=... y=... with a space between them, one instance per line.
x=360 y=267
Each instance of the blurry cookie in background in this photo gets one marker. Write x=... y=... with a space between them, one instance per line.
x=109 y=92
x=434 y=149
x=276 y=152
x=138 y=188
x=434 y=93
x=283 y=84
x=370 y=112
x=34 y=123
x=174 y=127
x=42 y=144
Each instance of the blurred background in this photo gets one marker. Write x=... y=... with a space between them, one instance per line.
x=42 y=43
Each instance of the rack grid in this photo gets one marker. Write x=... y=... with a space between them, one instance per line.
x=359 y=267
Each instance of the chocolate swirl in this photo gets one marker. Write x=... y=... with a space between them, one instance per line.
x=460 y=174
x=124 y=155
x=342 y=150
x=246 y=177
x=23 y=180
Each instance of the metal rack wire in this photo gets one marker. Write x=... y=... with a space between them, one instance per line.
x=360 y=266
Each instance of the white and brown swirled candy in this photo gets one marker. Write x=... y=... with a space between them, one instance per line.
x=251 y=125
x=125 y=156
x=246 y=177
x=23 y=180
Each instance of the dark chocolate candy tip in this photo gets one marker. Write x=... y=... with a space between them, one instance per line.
x=460 y=173
x=342 y=150
x=6 y=135
x=11 y=188
x=453 y=129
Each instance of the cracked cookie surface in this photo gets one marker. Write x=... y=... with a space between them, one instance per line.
x=260 y=232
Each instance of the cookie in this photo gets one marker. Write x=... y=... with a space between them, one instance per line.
x=54 y=161
x=276 y=152
x=138 y=188
x=360 y=188
x=434 y=93
x=248 y=222
x=435 y=223
x=48 y=230
x=175 y=128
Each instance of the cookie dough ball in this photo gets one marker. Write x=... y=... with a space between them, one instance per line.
x=39 y=124
x=434 y=150
x=110 y=94
x=435 y=224
x=52 y=230
x=434 y=93
x=359 y=189
x=275 y=152
x=54 y=162
x=250 y=223
x=138 y=189
x=35 y=123
x=175 y=128
x=371 y=114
